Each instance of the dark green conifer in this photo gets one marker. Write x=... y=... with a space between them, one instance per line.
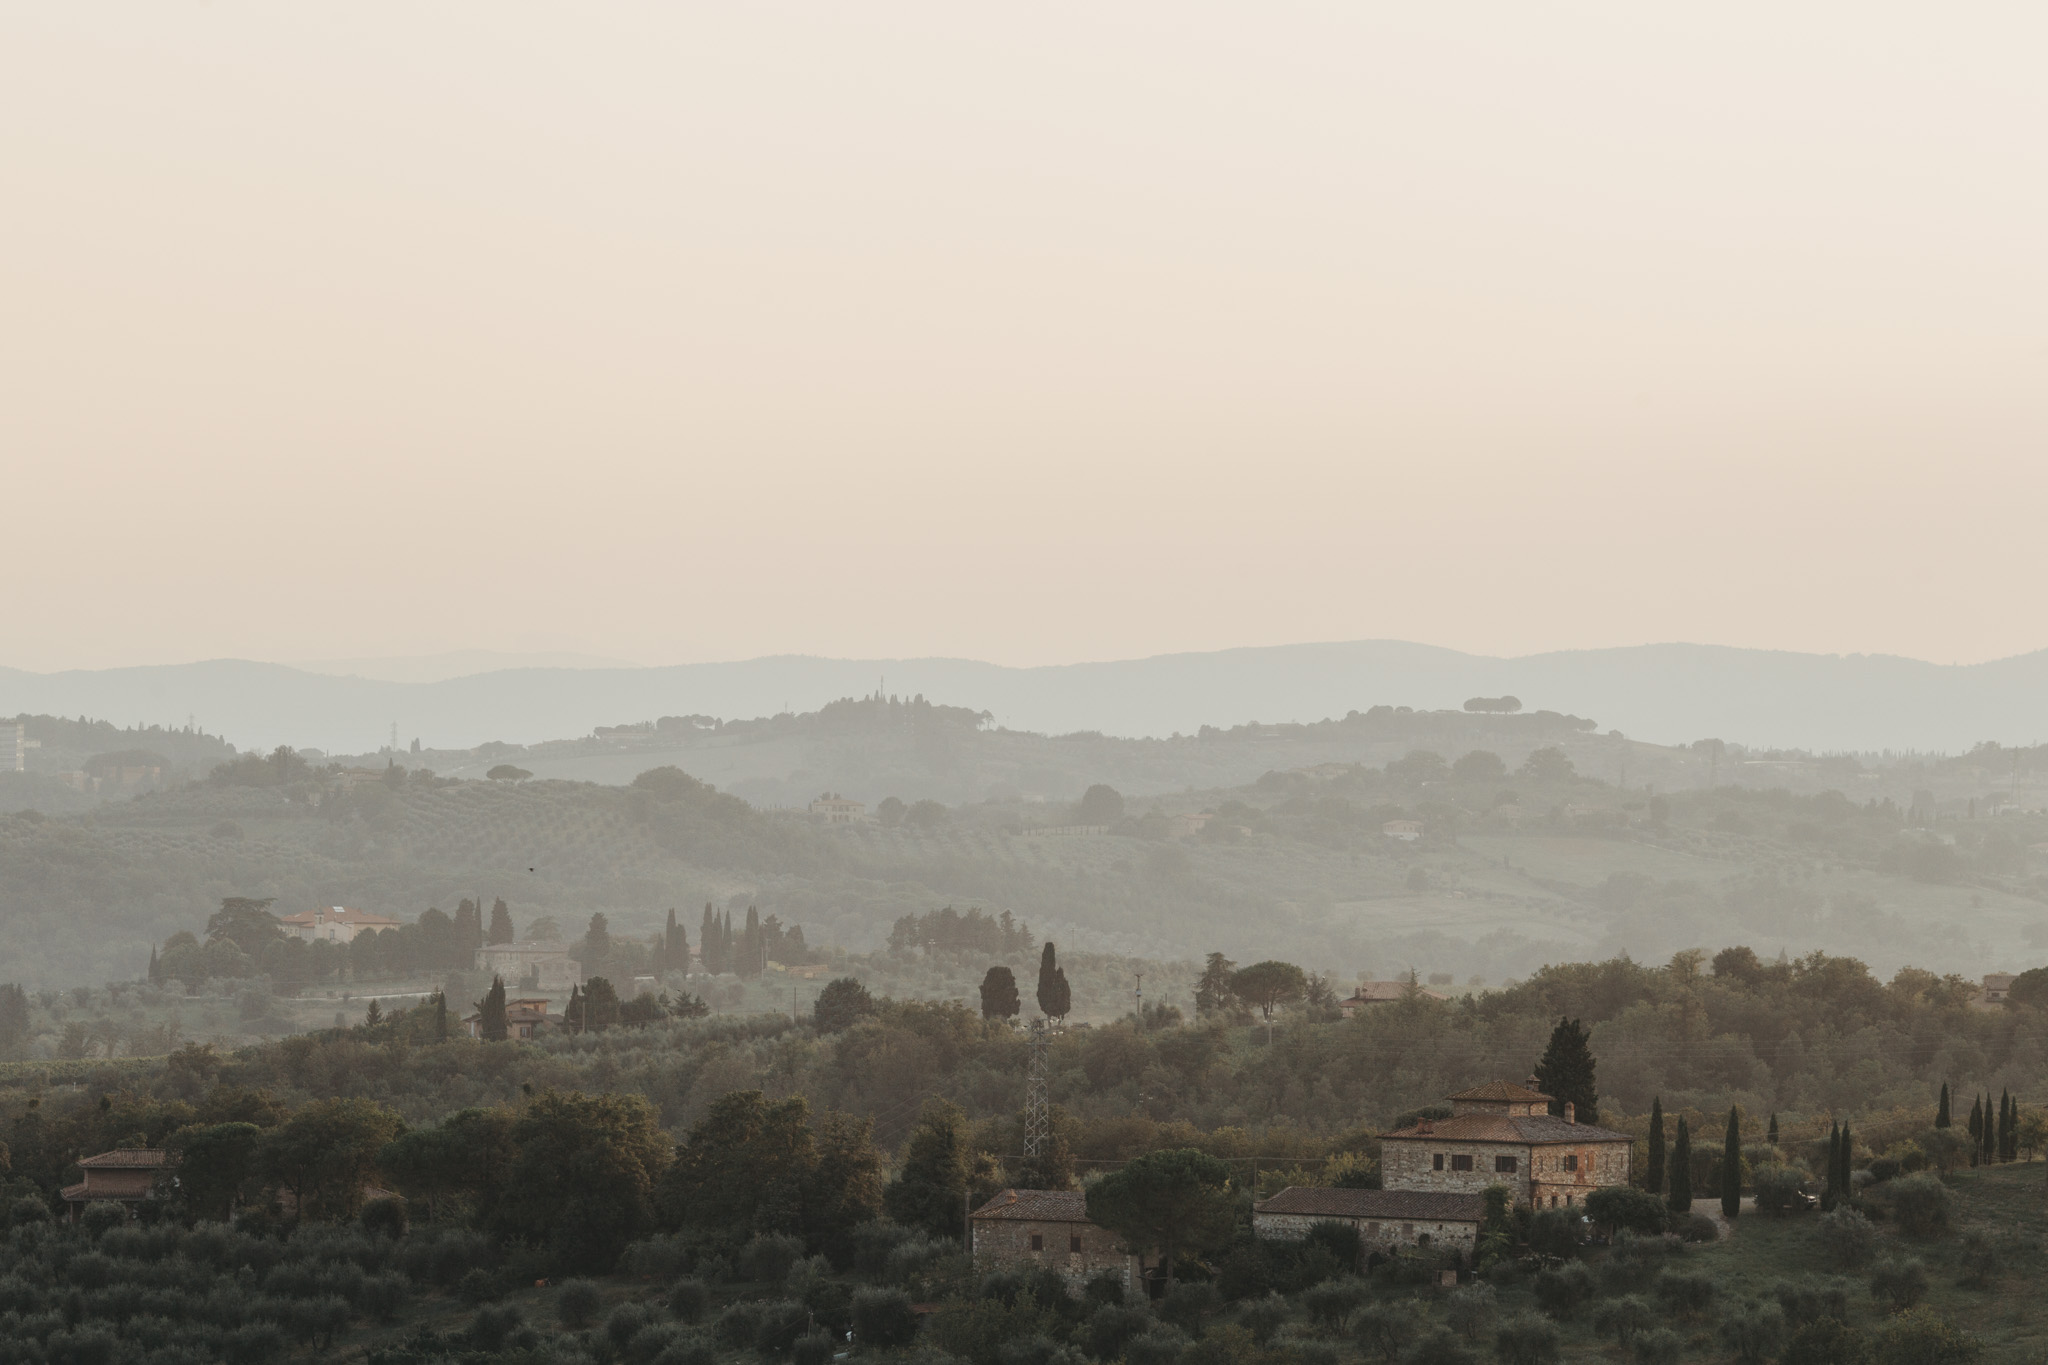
x=1772 y=1136
x=1731 y=1167
x=1566 y=1072
x=1653 y=1174
x=1681 y=1169
x=1941 y=1116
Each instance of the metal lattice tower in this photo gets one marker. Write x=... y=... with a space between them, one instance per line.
x=1037 y=1089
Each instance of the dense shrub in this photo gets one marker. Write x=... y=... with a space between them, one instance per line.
x=1809 y=1299
x=1626 y=1208
x=1554 y=1232
x=1778 y=1189
x=1472 y=1310
x=1898 y=1281
x=1104 y=1287
x=492 y=1326
x=1920 y=1204
x=1263 y=1317
x=1110 y=1327
x=1753 y=1331
x=1847 y=1240
x=1923 y=1337
x=1624 y=1319
x=385 y=1217
x=1161 y=1346
x=1526 y=1340
x=767 y=1257
x=813 y=1348
x=690 y=1301
x=1824 y=1341
x=1686 y=1294
x=1560 y=1293
x=1189 y=1304
x=882 y=1318
x=1386 y=1329
x=1340 y=1241
x=1440 y=1347
x=738 y=1325
x=1660 y=1346
x=577 y=1303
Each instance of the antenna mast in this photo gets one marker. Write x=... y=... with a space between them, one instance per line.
x=1037 y=1106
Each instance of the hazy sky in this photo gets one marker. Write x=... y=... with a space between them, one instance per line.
x=1030 y=333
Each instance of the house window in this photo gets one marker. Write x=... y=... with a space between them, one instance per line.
x=1461 y=1163
x=1038 y=1241
x=1505 y=1165
x=1438 y=1161
x=1571 y=1163
x=1074 y=1243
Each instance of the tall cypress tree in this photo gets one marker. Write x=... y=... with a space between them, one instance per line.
x=1653 y=1176
x=1941 y=1116
x=707 y=942
x=501 y=923
x=1731 y=1167
x=1681 y=1169
x=753 y=950
x=1834 y=1184
x=1989 y=1144
x=1048 y=981
x=1772 y=1136
x=440 y=1016
x=491 y=1025
x=1847 y=1164
x=1566 y=1072
x=727 y=946
x=1976 y=1123
x=2008 y=1128
x=156 y=973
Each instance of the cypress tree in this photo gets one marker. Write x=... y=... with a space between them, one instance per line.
x=1681 y=1169
x=155 y=972
x=1653 y=1176
x=707 y=941
x=1988 y=1143
x=1731 y=1167
x=667 y=960
x=501 y=923
x=1772 y=1136
x=1834 y=1185
x=2009 y=1131
x=572 y=1013
x=440 y=1016
x=1847 y=1165
x=753 y=949
x=1941 y=1117
x=1976 y=1123
x=1566 y=1072
x=491 y=1025
x=1048 y=991
x=726 y=945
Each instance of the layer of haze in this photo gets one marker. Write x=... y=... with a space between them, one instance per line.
x=1029 y=333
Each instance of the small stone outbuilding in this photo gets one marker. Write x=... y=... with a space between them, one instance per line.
x=1025 y=1229
x=1386 y=1220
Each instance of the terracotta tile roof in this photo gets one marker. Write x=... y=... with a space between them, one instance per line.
x=1505 y=1128
x=137 y=1158
x=1503 y=1090
x=1398 y=1206
x=1045 y=1206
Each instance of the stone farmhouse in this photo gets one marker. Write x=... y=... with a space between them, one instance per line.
x=126 y=1175
x=1501 y=1133
x=335 y=923
x=523 y=1019
x=1386 y=1220
x=536 y=964
x=1050 y=1228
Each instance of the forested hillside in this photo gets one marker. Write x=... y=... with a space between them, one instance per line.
x=1511 y=865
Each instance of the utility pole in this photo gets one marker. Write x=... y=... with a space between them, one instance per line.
x=1037 y=1107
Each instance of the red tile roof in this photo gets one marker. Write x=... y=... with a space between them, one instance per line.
x=1503 y=1091
x=135 y=1158
x=1044 y=1206
x=1398 y=1206
x=1541 y=1128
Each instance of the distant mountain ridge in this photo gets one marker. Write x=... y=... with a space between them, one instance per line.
x=1668 y=693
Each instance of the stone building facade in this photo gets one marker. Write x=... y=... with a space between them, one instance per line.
x=1387 y=1220
x=1503 y=1134
x=1021 y=1229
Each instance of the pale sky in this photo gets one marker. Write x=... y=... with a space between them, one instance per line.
x=1030 y=333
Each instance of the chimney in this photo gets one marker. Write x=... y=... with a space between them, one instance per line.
x=1570 y=1116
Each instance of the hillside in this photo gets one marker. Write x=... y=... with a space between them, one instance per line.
x=1512 y=869
x=1670 y=693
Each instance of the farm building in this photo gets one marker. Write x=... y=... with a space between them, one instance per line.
x=1031 y=1228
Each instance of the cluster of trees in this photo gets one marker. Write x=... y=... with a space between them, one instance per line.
x=243 y=939
x=1226 y=991
x=1000 y=1000
x=947 y=930
x=748 y=951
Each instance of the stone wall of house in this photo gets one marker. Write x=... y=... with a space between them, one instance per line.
x=1599 y=1164
x=1007 y=1244
x=1376 y=1235
x=1410 y=1164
